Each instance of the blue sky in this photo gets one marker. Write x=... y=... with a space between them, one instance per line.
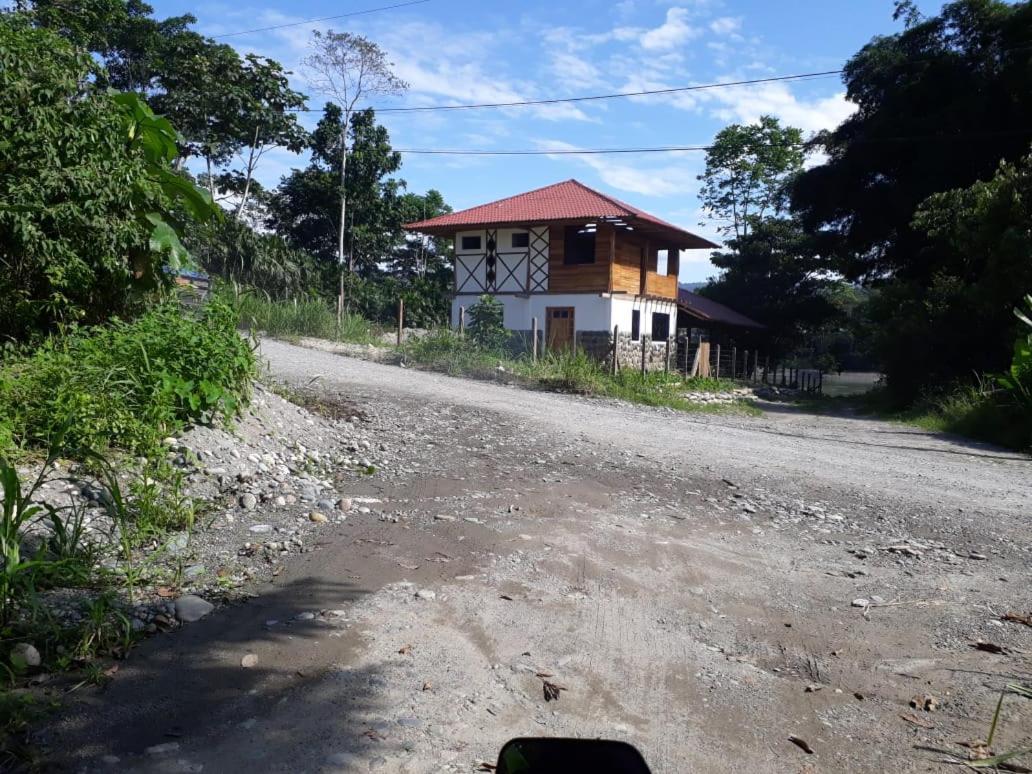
x=457 y=51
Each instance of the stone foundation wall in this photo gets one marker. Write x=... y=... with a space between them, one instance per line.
x=599 y=345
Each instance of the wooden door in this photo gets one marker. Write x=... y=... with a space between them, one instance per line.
x=559 y=328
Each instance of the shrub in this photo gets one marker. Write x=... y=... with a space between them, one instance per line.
x=86 y=189
x=485 y=324
x=126 y=384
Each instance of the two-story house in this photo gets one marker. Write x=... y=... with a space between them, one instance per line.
x=578 y=261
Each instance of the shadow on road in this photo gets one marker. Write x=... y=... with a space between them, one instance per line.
x=188 y=691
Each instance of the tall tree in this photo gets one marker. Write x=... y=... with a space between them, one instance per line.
x=348 y=68
x=776 y=275
x=747 y=170
x=269 y=118
x=305 y=207
x=939 y=105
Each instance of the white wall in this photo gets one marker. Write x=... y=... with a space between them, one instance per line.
x=623 y=307
x=592 y=311
x=511 y=268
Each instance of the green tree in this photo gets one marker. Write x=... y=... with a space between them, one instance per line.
x=747 y=172
x=939 y=105
x=268 y=119
x=417 y=256
x=305 y=208
x=87 y=194
x=348 y=69
x=776 y=275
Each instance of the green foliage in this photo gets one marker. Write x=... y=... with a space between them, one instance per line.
x=86 y=192
x=127 y=384
x=305 y=209
x=1018 y=380
x=776 y=274
x=486 y=328
x=309 y=316
x=232 y=251
x=747 y=172
x=913 y=197
x=444 y=350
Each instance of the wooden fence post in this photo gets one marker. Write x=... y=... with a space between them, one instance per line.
x=401 y=318
x=616 y=338
x=666 y=357
x=734 y=360
x=820 y=382
x=745 y=364
x=534 y=336
x=462 y=321
x=642 y=354
x=717 y=374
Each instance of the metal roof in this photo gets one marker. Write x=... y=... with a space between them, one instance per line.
x=711 y=311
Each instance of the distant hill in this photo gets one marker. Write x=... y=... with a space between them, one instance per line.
x=691 y=287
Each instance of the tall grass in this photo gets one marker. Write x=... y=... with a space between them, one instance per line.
x=310 y=317
x=578 y=372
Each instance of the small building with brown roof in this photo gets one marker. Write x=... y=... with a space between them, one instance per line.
x=577 y=261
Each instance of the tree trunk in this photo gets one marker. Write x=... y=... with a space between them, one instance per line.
x=250 y=175
x=343 y=212
x=211 y=183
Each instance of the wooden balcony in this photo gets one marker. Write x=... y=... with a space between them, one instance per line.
x=664 y=286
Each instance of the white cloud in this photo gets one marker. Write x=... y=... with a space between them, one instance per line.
x=574 y=70
x=671 y=177
x=673 y=32
x=725 y=25
x=746 y=104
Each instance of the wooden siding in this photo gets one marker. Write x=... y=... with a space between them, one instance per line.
x=579 y=278
x=623 y=274
x=664 y=286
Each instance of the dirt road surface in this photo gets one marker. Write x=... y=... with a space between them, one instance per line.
x=702 y=586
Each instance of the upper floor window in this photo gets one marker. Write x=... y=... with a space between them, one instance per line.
x=471 y=243
x=579 y=245
x=521 y=239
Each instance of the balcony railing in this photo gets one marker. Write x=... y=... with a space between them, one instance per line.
x=664 y=286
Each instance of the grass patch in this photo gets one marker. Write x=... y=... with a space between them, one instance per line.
x=312 y=317
x=977 y=412
x=445 y=351
x=125 y=385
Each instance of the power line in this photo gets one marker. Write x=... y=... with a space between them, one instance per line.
x=596 y=97
x=689 y=148
x=363 y=12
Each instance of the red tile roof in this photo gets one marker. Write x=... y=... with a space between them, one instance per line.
x=569 y=200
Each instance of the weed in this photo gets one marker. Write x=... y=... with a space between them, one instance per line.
x=126 y=384
x=444 y=350
x=306 y=317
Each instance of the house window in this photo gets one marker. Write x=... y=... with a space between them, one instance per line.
x=471 y=243
x=521 y=239
x=635 y=325
x=580 y=245
x=660 y=326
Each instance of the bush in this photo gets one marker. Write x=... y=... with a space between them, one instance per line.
x=486 y=328
x=126 y=384
x=86 y=189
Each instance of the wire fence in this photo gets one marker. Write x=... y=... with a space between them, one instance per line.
x=744 y=364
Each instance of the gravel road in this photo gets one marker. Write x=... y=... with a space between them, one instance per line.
x=702 y=586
